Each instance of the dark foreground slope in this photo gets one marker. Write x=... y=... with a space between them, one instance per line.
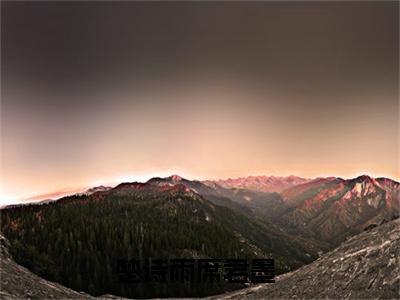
x=364 y=266
x=18 y=282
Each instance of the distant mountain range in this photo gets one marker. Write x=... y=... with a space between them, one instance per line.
x=262 y=183
x=327 y=209
x=323 y=209
x=291 y=219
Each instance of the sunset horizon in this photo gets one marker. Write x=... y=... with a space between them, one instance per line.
x=68 y=191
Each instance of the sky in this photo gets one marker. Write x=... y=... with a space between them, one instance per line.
x=103 y=92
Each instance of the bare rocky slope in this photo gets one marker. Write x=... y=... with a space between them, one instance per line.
x=18 y=282
x=363 y=267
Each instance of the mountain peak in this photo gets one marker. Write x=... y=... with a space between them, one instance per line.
x=363 y=178
x=175 y=177
x=366 y=179
x=96 y=189
x=263 y=183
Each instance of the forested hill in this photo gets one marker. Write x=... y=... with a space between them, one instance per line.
x=77 y=240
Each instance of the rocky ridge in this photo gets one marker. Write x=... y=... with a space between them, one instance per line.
x=18 y=282
x=365 y=266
